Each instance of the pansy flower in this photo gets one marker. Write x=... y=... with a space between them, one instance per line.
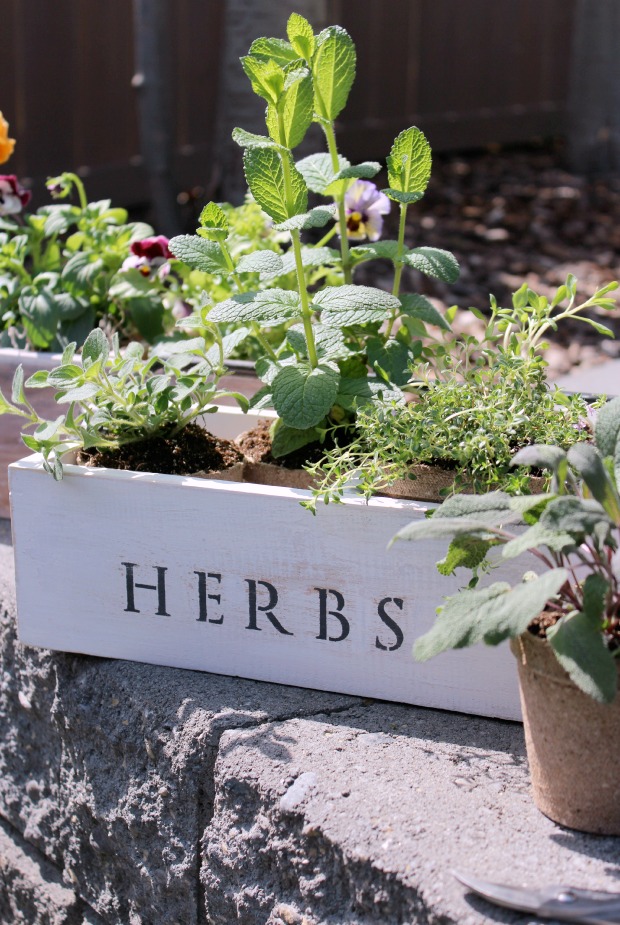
x=6 y=144
x=148 y=255
x=13 y=197
x=365 y=207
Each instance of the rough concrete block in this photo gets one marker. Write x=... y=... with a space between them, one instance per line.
x=107 y=767
x=31 y=890
x=358 y=819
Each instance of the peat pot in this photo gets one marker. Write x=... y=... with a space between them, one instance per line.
x=11 y=444
x=240 y=579
x=573 y=743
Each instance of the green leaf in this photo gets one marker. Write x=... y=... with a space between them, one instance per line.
x=578 y=517
x=38 y=380
x=213 y=222
x=333 y=70
x=595 y=589
x=588 y=463
x=40 y=315
x=301 y=36
x=464 y=552
x=409 y=162
x=318 y=171
x=537 y=536
x=418 y=306
x=364 y=171
x=433 y=262
x=83 y=269
x=250 y=140
x=198 y=253
x=405 y=198
x=354 y=393
x=289 y=119
x=443 y=527
x=264 y=172
x=272 y=306
x=343 y=306
x=387 y=249
x=392 y=357
x=303 y=396
x=542 y=457
x=96 y=348
x=267 y=263
x=493 y=507
x=266 y=77
x=288 y=439
x=315 y=218
x=488 y=614
x=80 y=393
x=17 y=389
x=579 y=647
x=311 y=257
x=607 y=428
x=148 y=316
x=278 y=50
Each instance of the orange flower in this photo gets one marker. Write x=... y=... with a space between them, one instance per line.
x=6 y=144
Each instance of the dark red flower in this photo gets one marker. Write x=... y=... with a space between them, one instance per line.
x=13 y=197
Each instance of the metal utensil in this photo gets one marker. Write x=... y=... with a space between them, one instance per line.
x=567 y=903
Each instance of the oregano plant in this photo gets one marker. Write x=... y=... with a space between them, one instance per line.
x=342 y=345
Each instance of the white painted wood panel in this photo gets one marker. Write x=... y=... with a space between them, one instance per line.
x=241 y=580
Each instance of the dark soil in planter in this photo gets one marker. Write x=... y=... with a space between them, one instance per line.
x=190 y=451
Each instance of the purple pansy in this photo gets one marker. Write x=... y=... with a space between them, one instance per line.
x=149 y=254
x=13 y=197
x=365 y=207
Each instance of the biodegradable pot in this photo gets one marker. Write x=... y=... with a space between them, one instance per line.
x=430 y=483
x=11 y=444
x=573 y=743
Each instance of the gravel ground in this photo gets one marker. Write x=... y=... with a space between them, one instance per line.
x=515 y=215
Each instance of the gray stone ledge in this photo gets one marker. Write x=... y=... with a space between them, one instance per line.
x=358 y=819
x=31 y=890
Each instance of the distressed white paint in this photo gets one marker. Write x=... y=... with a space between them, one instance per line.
x=72 y=537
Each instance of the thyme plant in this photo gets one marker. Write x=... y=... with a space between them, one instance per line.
x=474 y=403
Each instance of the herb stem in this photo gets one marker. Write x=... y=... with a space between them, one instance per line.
x=398 y=264
x=330 y=137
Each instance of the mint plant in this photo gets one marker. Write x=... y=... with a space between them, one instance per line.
x=573 y=532
x=341 y=345
x=116 y=397
x=475 y=403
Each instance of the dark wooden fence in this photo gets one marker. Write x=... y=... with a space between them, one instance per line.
x=468 y=72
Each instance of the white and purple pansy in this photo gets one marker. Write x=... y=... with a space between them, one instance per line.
x=365 y=207
x=13 y=197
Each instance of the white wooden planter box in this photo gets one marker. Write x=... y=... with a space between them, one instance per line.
x=239 y=579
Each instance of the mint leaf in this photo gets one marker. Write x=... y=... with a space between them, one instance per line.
x=250 y=140
x=311 y=257
x=267 y=263
x=267 y=77
x=387 y=249
x=315 y=218
x=198 y=253
x=287 y=439
x=265 y=175
x=303 y=396
x=301 y=36
x=213 y=222
x=405 y=198
x=278 y=50
x=318 y=172
x=409 y=162
x=289 y=119
x=418 y=306
x=343 y=306
x=272 y=306
x=390 y=357
x=433 y=262
x=354 y=393
x=333 y=69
